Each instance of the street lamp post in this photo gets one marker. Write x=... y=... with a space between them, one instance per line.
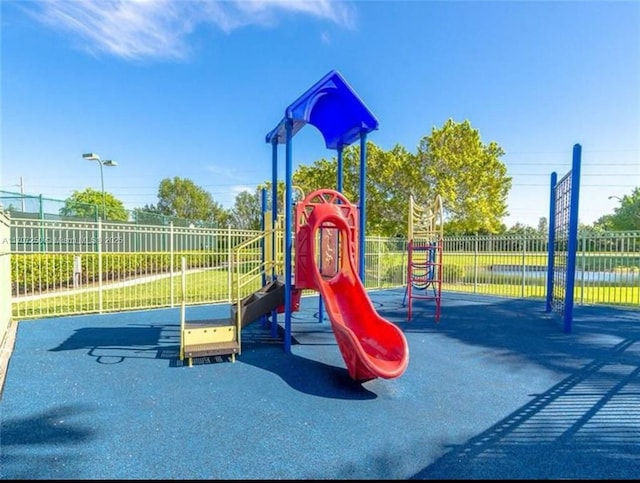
x=106 y=162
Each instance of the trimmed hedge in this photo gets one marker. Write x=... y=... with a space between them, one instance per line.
x=37 y=272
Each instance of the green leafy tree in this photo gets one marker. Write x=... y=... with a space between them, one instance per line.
x=596 y=229
x=391 y=178
x=521 y=229
x=88 y=203
x=452 y=162
x=604 y=223
x=148 y=215
x=543 y=225
x=469 y=176
x=150 y=208
x=182 y=198
x=627 y=215
x=247 y=211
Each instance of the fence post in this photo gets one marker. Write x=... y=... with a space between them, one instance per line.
x=379 y=262
x=43 y=242
x=99 y=244
x=524 y=264
x=584 y=264
x=229 y=254
x=475 y=264
x=405 y=261
x=171 y=290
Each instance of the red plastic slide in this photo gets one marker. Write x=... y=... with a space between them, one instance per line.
x=370 y=345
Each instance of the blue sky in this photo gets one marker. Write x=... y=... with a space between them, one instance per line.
x=189 y=88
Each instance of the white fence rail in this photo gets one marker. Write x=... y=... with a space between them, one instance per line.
x=64 y=267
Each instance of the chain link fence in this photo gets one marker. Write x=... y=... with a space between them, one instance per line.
x=37 y=207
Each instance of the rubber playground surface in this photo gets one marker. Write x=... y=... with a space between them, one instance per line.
x=495 y=390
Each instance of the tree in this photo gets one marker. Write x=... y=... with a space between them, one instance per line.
x=543 y=225
x=521 y=229
x=597 y=229
x=246 y=213
x=247 y=210
x=182 y=198
x=391 y=177
x=150 y=208
x=89 y=204
x=604 y=223
x=469 y=176
x=627 y=215
x=451 y=162
x=148 y=215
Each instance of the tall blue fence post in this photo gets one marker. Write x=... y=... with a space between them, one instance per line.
x=287 y=237
x=363 y=205
x=274 y=221
x=573 y=237
x=551 y=241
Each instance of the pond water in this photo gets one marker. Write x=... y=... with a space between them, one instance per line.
x=581 y=276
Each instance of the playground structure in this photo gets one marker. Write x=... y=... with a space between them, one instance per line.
x=563 y=241
x=424 y=259
x=327 y=237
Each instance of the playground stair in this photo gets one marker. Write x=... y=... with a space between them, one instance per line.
x=212 y=337
x=259 y=303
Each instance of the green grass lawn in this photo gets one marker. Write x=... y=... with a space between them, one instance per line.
x=463 y=272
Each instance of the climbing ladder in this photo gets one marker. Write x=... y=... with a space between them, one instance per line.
x=424 y=265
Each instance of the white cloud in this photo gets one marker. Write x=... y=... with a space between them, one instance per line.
x=136 y=29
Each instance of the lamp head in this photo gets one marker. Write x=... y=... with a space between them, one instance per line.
x=109 y=162
x=91 y=157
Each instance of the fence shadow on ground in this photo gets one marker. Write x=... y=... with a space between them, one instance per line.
x=585 y=427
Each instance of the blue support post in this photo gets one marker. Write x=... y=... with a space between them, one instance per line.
x=573 y=237
x=287 y=237
x=340 y=168
x=363 y=194
x=551 y=242
x=274 y=187
x=274 y=218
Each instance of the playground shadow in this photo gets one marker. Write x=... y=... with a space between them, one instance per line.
x=304 y=374
x=116 y=344
x=50 y=428
x=113 y=345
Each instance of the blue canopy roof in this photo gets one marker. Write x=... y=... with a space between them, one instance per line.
x=333 y=107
